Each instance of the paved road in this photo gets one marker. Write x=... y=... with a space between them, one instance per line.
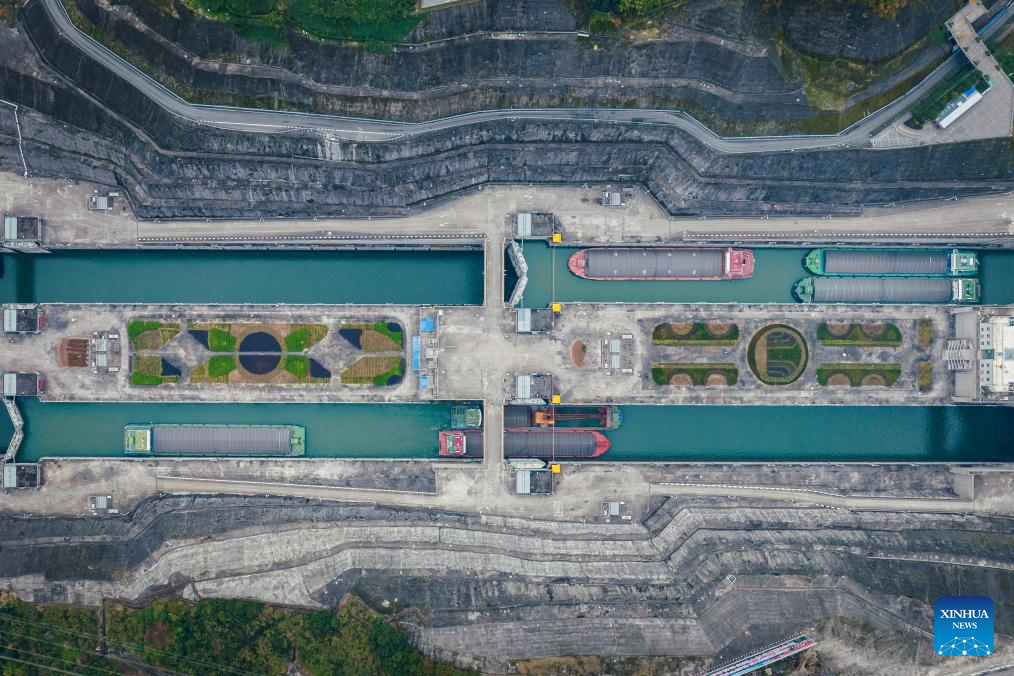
x=816 y=497
x=271 y=121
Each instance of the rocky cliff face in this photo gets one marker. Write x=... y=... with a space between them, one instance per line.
x=713 y=57
x=107 y=130
x=694 y=578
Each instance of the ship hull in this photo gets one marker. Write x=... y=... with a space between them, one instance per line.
x=662 y=264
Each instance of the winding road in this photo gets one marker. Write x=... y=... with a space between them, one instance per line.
x=366 y=130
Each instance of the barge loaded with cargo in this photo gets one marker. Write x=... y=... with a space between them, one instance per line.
x=212 y=440
x=543 y=444
x=887 y=290
x=662 y=264
x=892 y=263
x=562 y=417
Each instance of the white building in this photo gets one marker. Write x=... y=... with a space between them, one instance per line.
x=980 y=354
x=996 y=355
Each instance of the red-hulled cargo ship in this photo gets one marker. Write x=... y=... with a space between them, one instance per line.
x=545 y=444
x=662 y=264
x=461 y=443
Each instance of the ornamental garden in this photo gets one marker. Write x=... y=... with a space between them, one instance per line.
x=252 y=353
x=796 y=354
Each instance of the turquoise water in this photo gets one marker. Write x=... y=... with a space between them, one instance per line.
x=699 y=433
x=775 y=273
x=332 y=430
x=682 y=433
x=813 y=433
x=446 y=278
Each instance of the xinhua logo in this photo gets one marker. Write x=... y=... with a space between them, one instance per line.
x=963 y=626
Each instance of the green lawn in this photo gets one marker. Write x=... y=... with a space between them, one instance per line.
x=220 y=340
x=397 y=336
x=151 y=335
x=147 y=370
x=220 y=366
x=136 y=328
x=304 y=336
x=395 y=371
x=297 y=365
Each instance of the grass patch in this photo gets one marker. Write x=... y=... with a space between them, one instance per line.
x=860 y=375
x=221 y=365
x=378 y=337
x=924 y=376
x=696 y=334
x=861 y=335
x=828 y=82
x=777 y=354
x=151 y=335
x=297 y=365
x=229 y=636
x=215 y=370
x=300 y=366
x=147 y=370
x=220 y=340
x=304 y=336
x=924 y=331
x=392 y=331
x=374 y=371
x=694 y=374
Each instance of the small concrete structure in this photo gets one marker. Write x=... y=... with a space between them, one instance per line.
x=22 y=232
x=532 y=320
x=22 y=318
x=22 y=384
x=533 y=225
x=21 y=475
x=529 y=388
x=104 y=202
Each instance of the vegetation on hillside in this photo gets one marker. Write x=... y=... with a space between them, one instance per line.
x=370 y=21
x=49 y=639
x=220 y=637
x=213 y=637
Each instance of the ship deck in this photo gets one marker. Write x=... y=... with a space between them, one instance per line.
x=224 y=440
x=862 y=262
x=652 y=264
x=882 y=290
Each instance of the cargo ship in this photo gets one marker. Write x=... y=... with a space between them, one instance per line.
x=461 y=443
x=662 y=264
x=212 y=440
x=561 y=417
x=892 y=263
x=554 y=444
x=544 y=444
x=887 y=290
x=464 y=417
